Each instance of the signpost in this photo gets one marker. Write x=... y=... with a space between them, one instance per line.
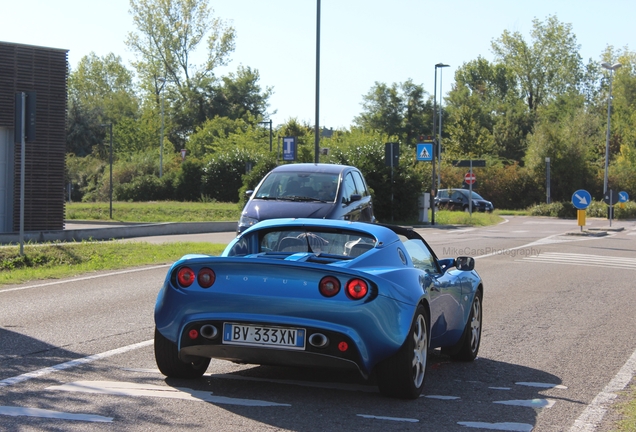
x=469 y=178
x=581 y=199
x=610 y=198
x=426 y=152
x=289 y=148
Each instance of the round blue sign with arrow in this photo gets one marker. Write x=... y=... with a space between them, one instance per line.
x=581 y=199
x=623 y=196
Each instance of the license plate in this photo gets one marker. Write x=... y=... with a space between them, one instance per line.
x=280 y=337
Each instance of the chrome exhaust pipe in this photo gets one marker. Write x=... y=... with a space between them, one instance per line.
x=318 y=340
x=208 y=331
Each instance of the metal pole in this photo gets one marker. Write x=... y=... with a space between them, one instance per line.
x=470 y=189
x=607 y=137
x=317 y=123
x=22 y=168
x=547 y=180
x=439 y=142
x=110 y=192
x=161 y=141
x=432 y=198
x=270 y=135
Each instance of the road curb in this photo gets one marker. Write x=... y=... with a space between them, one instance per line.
x=109 y=232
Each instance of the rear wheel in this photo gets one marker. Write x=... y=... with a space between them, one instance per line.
x=402 y=375
x=169 y=363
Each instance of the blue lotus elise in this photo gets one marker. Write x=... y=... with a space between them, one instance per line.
x=320 y=293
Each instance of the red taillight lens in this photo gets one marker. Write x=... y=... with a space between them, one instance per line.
x=206 y=277
x=357 y=288
x=329 y=286
x=185 y=276
x=193 y=334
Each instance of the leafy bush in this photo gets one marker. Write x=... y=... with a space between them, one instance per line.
x=597 y=209
x=144 y=188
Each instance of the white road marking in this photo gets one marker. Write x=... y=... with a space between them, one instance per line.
x=583 y=260
x=513 y=427
x=64 y=281
x=441 y=397
x=556 y=238
x=529 y=403
x=389 y=418
x=591 y=417
x=44 y=413
x=150 y=390
x=71 y=364
x=541 y=385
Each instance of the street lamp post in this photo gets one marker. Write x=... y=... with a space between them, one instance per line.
x=162 y=80
x=269 y=122
x=439 y=141
x=435 y=140
x=612 y=69
x=317 y=122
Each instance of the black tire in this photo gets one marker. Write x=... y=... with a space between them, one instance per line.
x=169 y=363
x=403 y=374
x=468 y=346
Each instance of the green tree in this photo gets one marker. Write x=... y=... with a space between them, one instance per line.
x=398 y=110
x=101 y=91
x=169 y=33
x=546 y=66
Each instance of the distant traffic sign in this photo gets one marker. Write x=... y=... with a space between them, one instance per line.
x=610 y=197
x=623 y=197
x=469 y=178
x=289 y=148
x=425 y=151
x=581 y=199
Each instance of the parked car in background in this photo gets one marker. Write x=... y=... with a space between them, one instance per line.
x=305 y=190
x=457 y=199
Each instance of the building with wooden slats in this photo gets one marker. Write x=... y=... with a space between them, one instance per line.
x=25 y=68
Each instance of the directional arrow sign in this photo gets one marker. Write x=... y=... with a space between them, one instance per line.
x=623 y=197
x=581 y=199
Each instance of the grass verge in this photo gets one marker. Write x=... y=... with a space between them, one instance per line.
x=59 y=260
x=627 y=411
x=154 y=211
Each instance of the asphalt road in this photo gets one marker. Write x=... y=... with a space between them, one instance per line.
x=559 y=340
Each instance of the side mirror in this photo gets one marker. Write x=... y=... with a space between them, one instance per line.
x=465 y=263
x=249 y=193
x=356 y=197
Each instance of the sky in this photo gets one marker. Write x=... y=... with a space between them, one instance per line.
x=361 y=41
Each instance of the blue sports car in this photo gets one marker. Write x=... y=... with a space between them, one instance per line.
x=320 y=293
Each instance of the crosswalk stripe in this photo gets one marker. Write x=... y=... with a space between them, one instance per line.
x=583 y=259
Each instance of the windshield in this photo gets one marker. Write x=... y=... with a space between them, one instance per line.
x=335 y=243
x=290 y=185
x=475 y=195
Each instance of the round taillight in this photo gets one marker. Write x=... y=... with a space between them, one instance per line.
x=343 y=346
x=185 y=276
x=357 y=288
x=193 y=334
x=329 y=286
x=206 y=277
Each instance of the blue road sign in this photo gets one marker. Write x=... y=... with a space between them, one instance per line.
x=623 y=196
x=425 y=151
x=289 y=148
x=581 y=199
